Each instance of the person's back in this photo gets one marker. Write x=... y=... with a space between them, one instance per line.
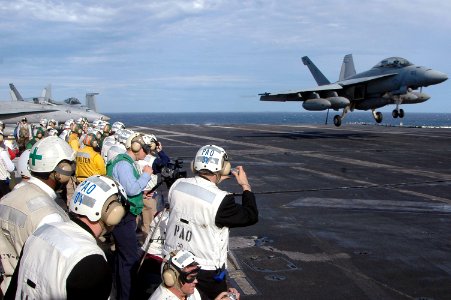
x=62 y=260
x=89 y=161
x=32 y=204
x=201 y=215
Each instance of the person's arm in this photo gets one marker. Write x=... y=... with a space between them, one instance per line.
x=232 y=214
x=90 y=279
x=123 y=172
x=7 y=161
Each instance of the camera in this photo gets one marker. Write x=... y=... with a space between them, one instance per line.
x=234 y=170
x=172 y=171
x=231 y=296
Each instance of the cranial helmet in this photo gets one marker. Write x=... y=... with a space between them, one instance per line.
x=99 y=198
x=117 y=126
x=114 y=151
x=173 y=266
x=213 y=159
x=48 y=152
x=22 y=164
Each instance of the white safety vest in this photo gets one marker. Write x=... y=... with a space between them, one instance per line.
x=6 y=165
x=21 y=212
x=49 y=256
x=193 y=204
x=163 y=293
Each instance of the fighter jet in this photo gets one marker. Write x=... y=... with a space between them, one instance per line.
x=393 y=80
x=39 y=108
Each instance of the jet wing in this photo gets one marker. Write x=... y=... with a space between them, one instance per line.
x=354 y=81
x=302 y=95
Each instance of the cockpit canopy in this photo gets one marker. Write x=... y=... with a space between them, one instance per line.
x=393 y=62
x=72 y=101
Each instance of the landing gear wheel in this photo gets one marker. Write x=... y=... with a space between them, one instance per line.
x=395 y=114
x=337 y=120
x=401 y=113
x=378 y=117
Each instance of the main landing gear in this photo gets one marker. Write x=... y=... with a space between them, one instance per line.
x=377 y=115
x=338 y=118
x=397 y=113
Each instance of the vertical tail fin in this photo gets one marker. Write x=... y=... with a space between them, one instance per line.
x=319 y=77
x=47 y=93
x=347 y=68
x=91 y=101
x=15 y=95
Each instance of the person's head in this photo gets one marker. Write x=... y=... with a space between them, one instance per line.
x=52 y=161
x=2 y=125
x=2 y=137
x=99 y=200
x=43 y=122
x=24 y=120
x=117 y=126
x=91 y=140
x=40 y=133
x=76 y=128
x=179 y=272
x=211 y=160
x=136 y=146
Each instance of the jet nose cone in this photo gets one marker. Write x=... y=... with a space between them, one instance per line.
x=434 y=77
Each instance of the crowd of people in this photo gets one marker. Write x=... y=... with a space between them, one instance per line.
x=83 y=185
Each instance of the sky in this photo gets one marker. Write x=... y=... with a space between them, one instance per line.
x=211 y=55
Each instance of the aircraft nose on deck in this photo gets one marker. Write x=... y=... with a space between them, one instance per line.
x=434 y=77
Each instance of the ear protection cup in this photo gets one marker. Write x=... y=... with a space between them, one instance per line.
x=192 y=167
x=63 y=172
x=169 y=275
x=112 y=211
x=226 y=167
x=1 y=138
x=135 y=146
x=153 y=146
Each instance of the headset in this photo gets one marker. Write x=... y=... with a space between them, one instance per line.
x=91 y=140
x=173 y=274
x=170 y=273
x=1 y=137
x=112 y=211
x=63 y=172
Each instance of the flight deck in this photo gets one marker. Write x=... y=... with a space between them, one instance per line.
x=357 y=212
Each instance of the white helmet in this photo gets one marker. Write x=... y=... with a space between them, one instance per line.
x=48 y=152
x=117 y=126
x=22 y=164
x=114 y=151
x=99 y=198
x=43 y=122
x=213 y=159
x=123 y=135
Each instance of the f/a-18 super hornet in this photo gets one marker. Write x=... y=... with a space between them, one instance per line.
x=37 y=108
x=394 y=80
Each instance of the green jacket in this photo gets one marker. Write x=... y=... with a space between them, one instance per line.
x=136 y=201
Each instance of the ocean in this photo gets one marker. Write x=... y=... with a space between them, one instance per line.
x=148 y=119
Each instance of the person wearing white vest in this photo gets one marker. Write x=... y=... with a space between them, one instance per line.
x=62 y=260
x=200 y=215
x=6 y=167
x=32 y=204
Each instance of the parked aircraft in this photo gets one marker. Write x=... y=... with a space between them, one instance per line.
x=392 y=81
x=38 y=108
